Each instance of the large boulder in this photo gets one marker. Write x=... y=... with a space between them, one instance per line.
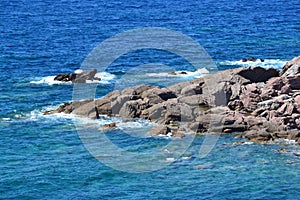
x=84 y=76
x=291 y=68
x=104 y=106
x=85 y=108
x=133 y=108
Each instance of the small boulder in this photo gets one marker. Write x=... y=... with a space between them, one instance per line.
x=252 y=59
x=108 y=126
x=159 y=130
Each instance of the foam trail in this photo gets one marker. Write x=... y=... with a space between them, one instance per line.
x=195 y=74
x=268 y=63
x=49 y=80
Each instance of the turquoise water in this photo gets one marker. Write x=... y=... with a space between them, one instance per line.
x=42 y=157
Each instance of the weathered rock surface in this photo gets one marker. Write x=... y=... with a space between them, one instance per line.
x=262 y=103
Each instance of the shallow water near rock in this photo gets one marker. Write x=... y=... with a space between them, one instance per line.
x=44 y=157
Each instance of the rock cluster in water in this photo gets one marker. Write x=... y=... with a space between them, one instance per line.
x=263 y=104
x=80 y=77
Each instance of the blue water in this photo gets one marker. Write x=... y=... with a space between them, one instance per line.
x=43 y=157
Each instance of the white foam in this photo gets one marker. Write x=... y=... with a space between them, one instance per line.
x=5 y=119
x=105 y=77
x=286 y=141
x=268 y=63
x=49 y=80
x=78 y=71
x=195 y=74
x=249 y=143
x=138 y=128
x=170 y=159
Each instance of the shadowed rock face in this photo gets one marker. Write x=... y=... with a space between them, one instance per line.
x=258 y=74
x=265 y=104
x=78 y=78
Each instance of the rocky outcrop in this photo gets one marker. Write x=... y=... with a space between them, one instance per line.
x=262 y=103
x=291 y=68
x=81 y=77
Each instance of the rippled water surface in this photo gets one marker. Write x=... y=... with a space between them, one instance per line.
x=42 y=157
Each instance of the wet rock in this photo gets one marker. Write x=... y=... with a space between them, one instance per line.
x=65 y=108
x=252 y=59
x=182 y=72
x=108 y=126
x=81 y=77
x=283 y=150
x=65 y=77
x=85 y=108
x=159 y=130
x=178 y=134
x=239 y=137
x=234 y=128
x=258 y=135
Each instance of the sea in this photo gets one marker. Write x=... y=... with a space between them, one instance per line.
x=47 y=157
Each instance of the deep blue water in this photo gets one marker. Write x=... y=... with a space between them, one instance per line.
x=43 y=157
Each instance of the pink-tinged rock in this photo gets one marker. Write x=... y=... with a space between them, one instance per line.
x=297 y=103
x=291 y=68
x=250 y=97
x=286 y=89
x=286 y=109
x=137 y=90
